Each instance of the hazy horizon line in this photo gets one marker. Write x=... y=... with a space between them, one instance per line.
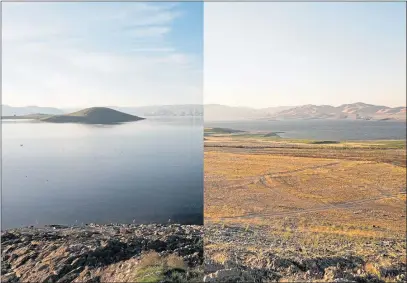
x=203 y=104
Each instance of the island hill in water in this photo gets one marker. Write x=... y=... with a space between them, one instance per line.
x=93 y=115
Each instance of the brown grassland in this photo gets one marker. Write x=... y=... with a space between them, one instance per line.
x=315 y=205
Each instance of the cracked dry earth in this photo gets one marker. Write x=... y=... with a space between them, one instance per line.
x=95 y=253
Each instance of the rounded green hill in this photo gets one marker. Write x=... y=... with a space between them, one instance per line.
x=93 y=115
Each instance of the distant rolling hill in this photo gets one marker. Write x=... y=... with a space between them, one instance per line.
x=7 y=110
x=354 y=111
x=164 y=110
x=94 y=115
x=26 y=117
x=218 y=112
x=155 y=110
x=159 y=110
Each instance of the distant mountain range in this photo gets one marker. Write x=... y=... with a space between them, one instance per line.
x=158 y=110
x=93 y=115
x=7 y=110
x=218 y=112
x=352 y=111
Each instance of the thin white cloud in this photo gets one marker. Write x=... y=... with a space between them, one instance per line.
x=153 y=50
x=85 y=54
x=148 y=32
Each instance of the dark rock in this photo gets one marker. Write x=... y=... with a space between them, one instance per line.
x=83 y=253
x=9 y=278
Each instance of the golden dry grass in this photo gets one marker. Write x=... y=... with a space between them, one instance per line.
x=232 y=166
x=352 y=195
x=392 y=152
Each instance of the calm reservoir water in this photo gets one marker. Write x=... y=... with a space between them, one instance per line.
x=322 y=129
x=146 y=171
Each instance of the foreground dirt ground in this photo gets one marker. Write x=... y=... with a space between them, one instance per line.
x=286 y=211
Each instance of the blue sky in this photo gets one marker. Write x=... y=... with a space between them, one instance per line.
x=95 y=54
x=259 y=54
x=270 y=54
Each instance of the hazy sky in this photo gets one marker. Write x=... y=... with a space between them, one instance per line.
x=102 y=54
x=270 y=54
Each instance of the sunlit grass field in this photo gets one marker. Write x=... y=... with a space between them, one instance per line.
x=328 y=199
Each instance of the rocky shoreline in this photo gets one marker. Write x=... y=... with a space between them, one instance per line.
x=96 y=253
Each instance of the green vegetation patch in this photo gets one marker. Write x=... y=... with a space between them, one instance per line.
x=325 y=142
x=400 y=144
x=156 y=268
x=150 y=274
x=373 y=144
x=272 y=137
x=221 y=131
x=274 y=134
